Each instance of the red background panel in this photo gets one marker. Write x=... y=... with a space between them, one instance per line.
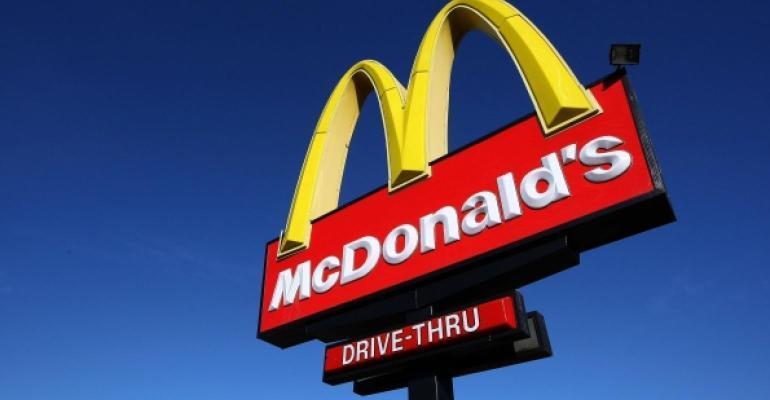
x=516 y=149
x=494 y=316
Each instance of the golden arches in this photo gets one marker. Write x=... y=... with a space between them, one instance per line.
x=415 y=119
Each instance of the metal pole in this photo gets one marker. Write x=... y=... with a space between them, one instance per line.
x=431 y=387
x=427 y=385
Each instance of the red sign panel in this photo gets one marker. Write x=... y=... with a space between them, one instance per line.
x=506 y=188
x=491 y=317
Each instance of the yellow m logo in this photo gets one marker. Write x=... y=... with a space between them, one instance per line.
x=415 y=118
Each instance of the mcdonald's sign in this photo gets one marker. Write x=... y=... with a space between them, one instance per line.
x=580 y=168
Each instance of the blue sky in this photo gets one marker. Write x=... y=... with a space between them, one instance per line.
x=149 y=149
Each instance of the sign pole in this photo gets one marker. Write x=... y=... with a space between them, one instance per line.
x=428 y=385
x=431 y=387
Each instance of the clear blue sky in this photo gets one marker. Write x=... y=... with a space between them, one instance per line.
x=149 y=149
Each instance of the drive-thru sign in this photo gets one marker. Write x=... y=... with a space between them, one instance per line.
x=578 y=172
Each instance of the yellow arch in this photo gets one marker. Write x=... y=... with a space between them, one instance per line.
x=415 y=119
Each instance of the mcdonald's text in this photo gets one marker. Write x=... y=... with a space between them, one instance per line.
x=539 y=188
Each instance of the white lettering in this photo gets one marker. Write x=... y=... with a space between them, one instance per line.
x=382 y=345
x=362 y=350
x=471 y=328
x=553 y=175
x=397 y=339
x=349 y=272
x=435 y=330
x=508 y=196
x=619 y=161
x=347 y=354
x=288 y=285
x=319 y=284
x=418 y=330
x=482 y=203
x=389 y=252
x=537 y=189
x=447 y=217
x=452 y=324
